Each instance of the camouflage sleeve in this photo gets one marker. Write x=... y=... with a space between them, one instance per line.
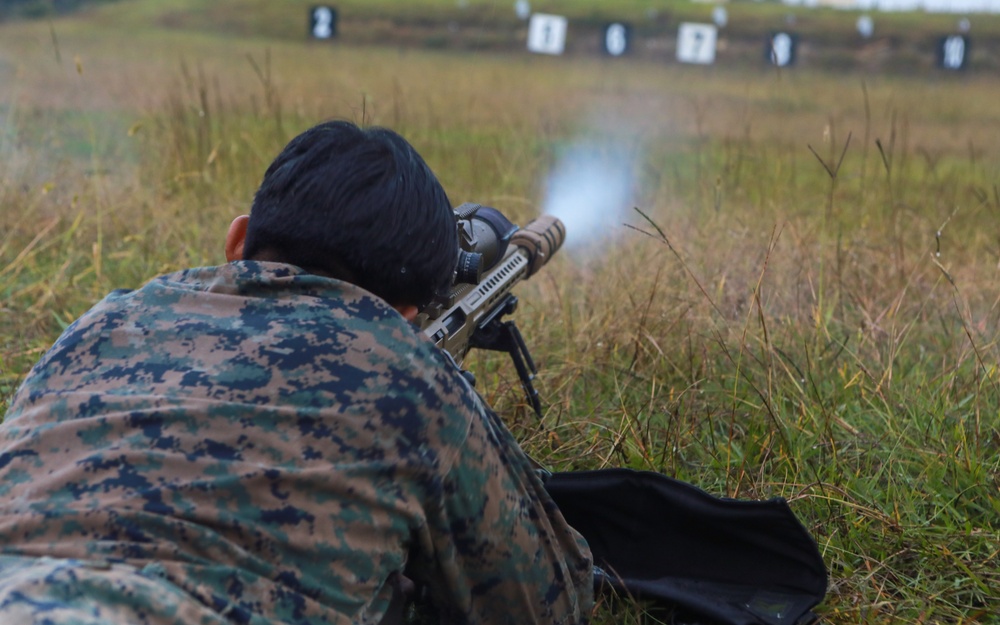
x=499 y=548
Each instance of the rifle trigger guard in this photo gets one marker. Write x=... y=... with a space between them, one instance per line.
x=468 y=375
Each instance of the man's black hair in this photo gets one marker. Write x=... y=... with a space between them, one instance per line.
x=360 y=205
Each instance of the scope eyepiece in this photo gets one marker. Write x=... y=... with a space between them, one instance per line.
x=483 y=237
x=469 y=269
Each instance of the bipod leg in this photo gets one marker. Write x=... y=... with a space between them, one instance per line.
x=503 y=336
x=524 y=364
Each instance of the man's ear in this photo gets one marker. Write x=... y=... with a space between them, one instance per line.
x=235 y=238
x=409 y=311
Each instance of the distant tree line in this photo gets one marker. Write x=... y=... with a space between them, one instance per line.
x=41 y=8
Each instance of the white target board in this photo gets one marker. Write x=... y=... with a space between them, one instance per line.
x=781 y=49
x=617 y=39
x=547 y=34
x=720 y=16
x=323 y=22
x=866 y=26
x=696 y=43
x=953 y=52
x=522 y=8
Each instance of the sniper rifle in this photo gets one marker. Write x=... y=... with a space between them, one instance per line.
x=494 y=255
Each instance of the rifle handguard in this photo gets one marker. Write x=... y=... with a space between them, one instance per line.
x=540 y=239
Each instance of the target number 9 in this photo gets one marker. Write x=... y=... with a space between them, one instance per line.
x=782 y=47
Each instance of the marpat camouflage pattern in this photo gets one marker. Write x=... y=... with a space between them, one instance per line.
x=251 y=443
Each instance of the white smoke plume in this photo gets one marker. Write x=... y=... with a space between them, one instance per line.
x=592 y=189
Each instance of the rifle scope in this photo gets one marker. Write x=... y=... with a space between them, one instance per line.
x=485 y=234
x=494 y=256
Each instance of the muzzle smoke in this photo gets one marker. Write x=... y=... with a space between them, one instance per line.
x=591 y=189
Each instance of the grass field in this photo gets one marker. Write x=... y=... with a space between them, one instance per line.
x=795 y=294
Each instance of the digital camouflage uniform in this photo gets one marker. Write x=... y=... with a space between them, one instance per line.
x=254 y=444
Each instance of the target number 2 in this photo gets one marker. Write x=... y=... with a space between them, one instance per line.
x=324 y=22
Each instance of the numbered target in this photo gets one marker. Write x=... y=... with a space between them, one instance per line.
x=323 y=22
x=547 y=34
x=696 y=43
x=522 y=8
x=720 y=16
x=617 y=39
x=866 y=26
x=781 y=48
x=953 y=52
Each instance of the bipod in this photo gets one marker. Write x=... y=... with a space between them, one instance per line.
x=495 y=334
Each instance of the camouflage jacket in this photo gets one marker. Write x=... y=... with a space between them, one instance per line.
x=250 y=443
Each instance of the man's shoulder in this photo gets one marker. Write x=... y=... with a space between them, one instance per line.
x=290 y=318
x=252 y=331
x=271 y=290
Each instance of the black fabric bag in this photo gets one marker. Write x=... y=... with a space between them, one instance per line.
x=705 y=558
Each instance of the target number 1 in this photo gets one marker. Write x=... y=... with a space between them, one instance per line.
x=547 y=33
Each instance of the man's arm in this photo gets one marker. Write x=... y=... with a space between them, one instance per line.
x=496 y=549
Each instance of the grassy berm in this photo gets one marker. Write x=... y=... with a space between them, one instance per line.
x=796 y=295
